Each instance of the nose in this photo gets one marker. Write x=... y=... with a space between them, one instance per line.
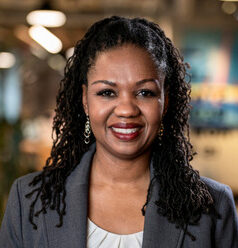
x=127 y=108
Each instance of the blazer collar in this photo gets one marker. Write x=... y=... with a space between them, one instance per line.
x=73 y=233
x=158 y=232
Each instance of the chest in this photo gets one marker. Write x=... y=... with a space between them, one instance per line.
x=117 y=211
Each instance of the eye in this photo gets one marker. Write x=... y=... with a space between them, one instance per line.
x=106 y=93
x=146 y=93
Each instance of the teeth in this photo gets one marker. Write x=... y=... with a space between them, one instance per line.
x=125 y=130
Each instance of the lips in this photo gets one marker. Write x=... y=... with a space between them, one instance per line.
x=126 y=131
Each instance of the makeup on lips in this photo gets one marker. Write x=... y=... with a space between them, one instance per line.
x=126 y=131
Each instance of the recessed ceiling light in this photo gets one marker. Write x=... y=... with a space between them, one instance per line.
x=46 y=39
x=46 y=16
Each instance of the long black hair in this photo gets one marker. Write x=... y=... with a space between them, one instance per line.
x=183 y=197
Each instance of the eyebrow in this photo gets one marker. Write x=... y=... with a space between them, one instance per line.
x=156 y=81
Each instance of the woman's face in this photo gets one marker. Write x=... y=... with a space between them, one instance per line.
x=125 y=101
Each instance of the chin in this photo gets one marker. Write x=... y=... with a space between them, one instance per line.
x=127 y=150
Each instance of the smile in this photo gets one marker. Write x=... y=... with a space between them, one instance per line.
x=125 y=130
x=126 y=134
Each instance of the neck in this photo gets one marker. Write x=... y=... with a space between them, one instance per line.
x=106 y=169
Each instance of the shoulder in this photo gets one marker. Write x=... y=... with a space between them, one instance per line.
x=22 y=183
x=213 y=184
x=19 y=189
x=26 y=179
x=226 y=225
x=224 y=204
x=219 y=228
x=15 y=219
x=215 y=187
x=219 y=191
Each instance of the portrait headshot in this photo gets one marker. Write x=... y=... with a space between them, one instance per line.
x=120 y=171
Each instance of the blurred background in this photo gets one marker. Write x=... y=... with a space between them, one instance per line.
x=37 y=36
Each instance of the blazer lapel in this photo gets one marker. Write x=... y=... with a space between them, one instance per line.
x=158 y=231
x=73 y=233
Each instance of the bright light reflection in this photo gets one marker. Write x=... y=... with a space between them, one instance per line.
x=47 y=18
x=45 y=38
x=7 y=60
x=69 y=52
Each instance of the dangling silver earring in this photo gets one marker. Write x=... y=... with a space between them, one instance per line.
x=87 y=131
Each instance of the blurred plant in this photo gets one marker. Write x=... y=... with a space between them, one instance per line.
x=13 y=163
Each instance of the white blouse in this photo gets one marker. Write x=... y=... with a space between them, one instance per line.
x=99 y=238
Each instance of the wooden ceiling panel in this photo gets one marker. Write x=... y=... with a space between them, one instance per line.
x=19 y=4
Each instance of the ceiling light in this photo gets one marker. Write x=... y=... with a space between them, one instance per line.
x=46 y=16
x=7 y=60
x=45 y=38
x=229 y=8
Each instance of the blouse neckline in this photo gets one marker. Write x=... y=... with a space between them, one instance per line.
x=114 y=234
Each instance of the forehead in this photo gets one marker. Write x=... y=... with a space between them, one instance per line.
x=124 y=62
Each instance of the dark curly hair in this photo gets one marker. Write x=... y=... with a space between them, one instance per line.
x=183 y=197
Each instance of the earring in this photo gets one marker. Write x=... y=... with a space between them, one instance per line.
x=87 y=131
x=161 y=133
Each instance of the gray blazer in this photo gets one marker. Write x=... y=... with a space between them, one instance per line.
x=16 y=231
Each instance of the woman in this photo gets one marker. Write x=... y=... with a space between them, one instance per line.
x=119 y=174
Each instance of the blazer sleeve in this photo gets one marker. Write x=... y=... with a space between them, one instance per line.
x=226 y=233
x=11 y=228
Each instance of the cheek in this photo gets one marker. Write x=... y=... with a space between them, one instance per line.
x=153 y=113
x=99 y=113
x=154 y=122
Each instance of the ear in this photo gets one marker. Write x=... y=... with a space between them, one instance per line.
x=85 y=99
